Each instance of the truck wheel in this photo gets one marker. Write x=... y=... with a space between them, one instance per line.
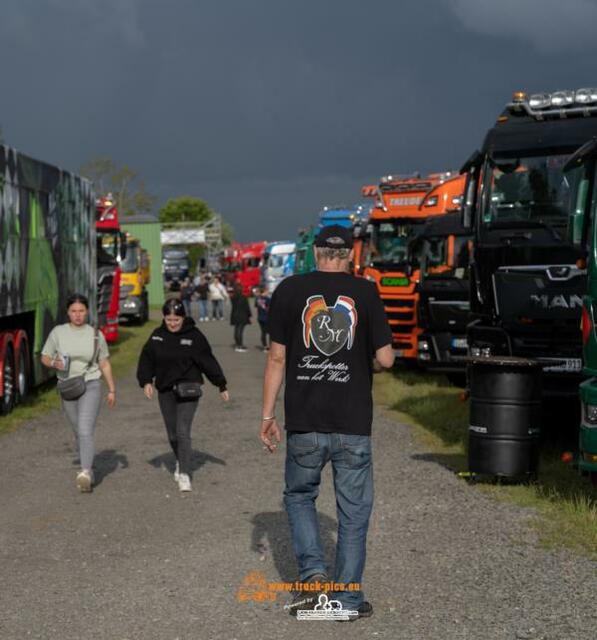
x=23 y=378
x=7 y=402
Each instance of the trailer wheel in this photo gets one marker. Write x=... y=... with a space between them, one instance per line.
x=7 y=402
x=23 y=378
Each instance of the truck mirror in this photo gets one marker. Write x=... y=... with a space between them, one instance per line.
x=123 y=246
x=468 y=202
x=576 y=219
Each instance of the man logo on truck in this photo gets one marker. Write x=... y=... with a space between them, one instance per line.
x=556 y=302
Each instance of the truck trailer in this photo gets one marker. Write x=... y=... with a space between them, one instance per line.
x=47 y=252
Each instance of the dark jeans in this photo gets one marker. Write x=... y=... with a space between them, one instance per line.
x=352 y=468
x=263 y=327
x=217 y=309
x=239 y=329
x=178 y=417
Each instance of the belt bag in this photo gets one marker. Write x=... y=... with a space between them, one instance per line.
x=187 y=390
x=73 y=388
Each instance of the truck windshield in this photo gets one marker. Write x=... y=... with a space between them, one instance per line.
x=277 y=261
x=444 y=257
x=526 y=191
x=390 y=242
x=131 y=262
x=107 y=247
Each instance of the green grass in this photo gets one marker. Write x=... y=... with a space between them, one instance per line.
x=123 y=357
x=565 y=504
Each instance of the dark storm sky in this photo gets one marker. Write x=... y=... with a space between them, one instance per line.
x=270 y=109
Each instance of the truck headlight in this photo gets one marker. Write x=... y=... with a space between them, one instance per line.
x=370 y=278
x=591 y=414
x=423 y=345
x=431 y=201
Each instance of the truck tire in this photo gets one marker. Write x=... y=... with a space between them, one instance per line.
x=7 y=402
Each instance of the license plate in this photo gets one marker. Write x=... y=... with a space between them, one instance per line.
x=459 y=343
x=567 y=365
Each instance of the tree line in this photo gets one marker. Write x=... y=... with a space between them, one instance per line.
x=132 y=197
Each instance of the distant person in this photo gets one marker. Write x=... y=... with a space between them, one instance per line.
x=262 y=302
x=175 y=359
x=202 y=291
x=76 y=349
x=186 y=293
x=240 y=316
x=217 y=295
x=326 y=327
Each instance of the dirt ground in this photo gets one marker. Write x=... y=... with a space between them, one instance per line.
x=138 y=560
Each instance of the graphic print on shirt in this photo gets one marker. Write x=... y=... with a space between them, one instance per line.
x=329 y=328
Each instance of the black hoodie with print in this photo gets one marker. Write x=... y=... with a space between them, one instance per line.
x=181 y=356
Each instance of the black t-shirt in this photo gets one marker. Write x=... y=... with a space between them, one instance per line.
x=331 y=324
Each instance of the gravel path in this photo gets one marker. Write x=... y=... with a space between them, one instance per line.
x=136 y=560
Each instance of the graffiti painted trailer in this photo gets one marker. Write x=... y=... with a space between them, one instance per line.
x=47 y=251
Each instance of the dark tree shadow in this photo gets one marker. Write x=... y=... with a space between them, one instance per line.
x=106 y=462
x=198 y=459
x=271 y=535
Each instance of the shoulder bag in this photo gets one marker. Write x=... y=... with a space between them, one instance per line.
x=187 y=390
x=73 y=388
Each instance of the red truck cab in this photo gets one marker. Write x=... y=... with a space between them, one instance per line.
x=110 y=250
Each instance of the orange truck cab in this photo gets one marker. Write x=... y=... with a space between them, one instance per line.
x=401 y=208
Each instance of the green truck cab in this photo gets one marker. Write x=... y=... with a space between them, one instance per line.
x=581 y=171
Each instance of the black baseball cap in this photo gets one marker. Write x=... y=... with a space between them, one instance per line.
x=334 y=237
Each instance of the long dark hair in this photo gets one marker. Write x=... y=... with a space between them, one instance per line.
x=77 y=297
x=174 y=307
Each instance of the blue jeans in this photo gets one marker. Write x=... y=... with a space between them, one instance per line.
x=203 y=310
x=352 y=467
x=217 y=309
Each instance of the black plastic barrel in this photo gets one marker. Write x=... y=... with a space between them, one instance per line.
x=505 y=416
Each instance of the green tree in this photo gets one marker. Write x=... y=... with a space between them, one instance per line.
x=227 y=234
x=185 y=209
x=123 y=182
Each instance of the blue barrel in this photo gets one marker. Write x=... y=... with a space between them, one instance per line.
x=505 y=416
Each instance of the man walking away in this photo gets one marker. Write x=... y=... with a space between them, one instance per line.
x=262 y=302
x=202 y=291
x=325 y=328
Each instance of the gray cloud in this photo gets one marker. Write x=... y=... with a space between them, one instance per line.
x=270 y=109
x=548 y=25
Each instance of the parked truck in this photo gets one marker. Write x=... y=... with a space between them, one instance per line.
x=111 y=250
x=47 y=251
x=277 y=264
x=176 y=264
x=443 y=253
x=395 y=220
x=581 y=171
x=250 y=262
x=305 y=258
x=134 y=299
x=526 y=279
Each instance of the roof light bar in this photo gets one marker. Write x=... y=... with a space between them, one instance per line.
x=562 y=98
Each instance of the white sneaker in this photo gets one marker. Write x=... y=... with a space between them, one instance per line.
x=176 y=472
x=84 y=481
x=184 y=482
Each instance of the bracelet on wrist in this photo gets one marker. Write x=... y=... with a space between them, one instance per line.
x=268 y=418
x=111 y=390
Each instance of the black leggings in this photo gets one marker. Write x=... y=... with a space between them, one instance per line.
x=178 y=417
x=238 y=334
